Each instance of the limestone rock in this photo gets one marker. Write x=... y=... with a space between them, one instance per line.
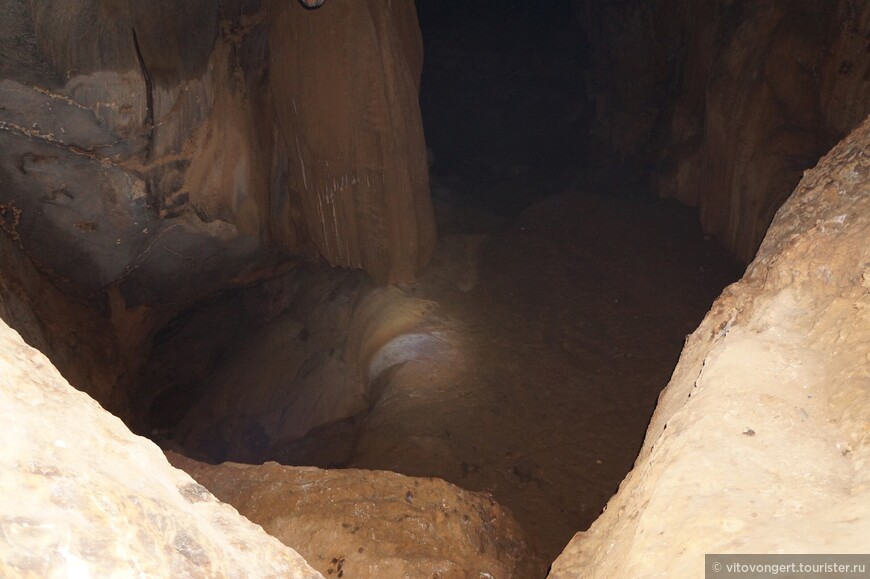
x=309 y=362
x=346 y=80
x=82 y=496
x=169 y=149
x=358 y=523
x=738 y=97
x=158 y=154
x=79 y=341
x=759 y=443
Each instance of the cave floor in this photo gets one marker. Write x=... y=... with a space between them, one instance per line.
x=557 y=330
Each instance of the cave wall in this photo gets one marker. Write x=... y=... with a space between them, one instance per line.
x=130 y=127
x=80 y=341
x=348 y=105
x=156 y=154
x=759 y=442
x=728 y=101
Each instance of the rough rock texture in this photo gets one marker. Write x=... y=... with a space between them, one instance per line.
x=760 y=441
x=739 y=97
x=80 y=496
x=157 y=154
x=80 y=342
x=239 y=127
x=357 y=523
x=100 y=108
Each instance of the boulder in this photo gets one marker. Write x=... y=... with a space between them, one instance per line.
x=362 y=523
x=81 y=496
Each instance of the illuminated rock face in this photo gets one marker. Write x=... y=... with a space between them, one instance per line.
x=164 y=148
x=345 y=80
x=758 y=443
x=80 y=496
x=159 y=154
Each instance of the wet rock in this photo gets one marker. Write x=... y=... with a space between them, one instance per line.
x=356 y=523
x=82 y=496
x=759 y=442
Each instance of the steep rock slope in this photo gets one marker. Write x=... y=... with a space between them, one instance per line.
x=83 y=497
x=759 y=443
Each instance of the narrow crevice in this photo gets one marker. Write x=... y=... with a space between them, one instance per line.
x=149 y=92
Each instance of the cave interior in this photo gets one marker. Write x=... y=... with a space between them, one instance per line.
x=222 y=226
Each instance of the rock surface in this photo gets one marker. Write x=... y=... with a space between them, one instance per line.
x=275 y=362
x=759 y=443
x=135 y=148
x=157 y=155
x=80 y=342
x=346 y=79
x=80 y=496
x=525 y=362
x=737 y=97
x=357 y=523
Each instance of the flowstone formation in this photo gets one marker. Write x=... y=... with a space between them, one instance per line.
x=156 y=155
x=729 y=101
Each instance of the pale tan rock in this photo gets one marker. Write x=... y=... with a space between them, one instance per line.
x=378 y=524
x=80 y=496
x=759 y=443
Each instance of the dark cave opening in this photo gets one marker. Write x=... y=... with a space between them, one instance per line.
x=503 y=99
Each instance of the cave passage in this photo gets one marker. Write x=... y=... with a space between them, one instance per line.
x=218 y=222
x=527 y=358
x=503 y=98
x=525 y=361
